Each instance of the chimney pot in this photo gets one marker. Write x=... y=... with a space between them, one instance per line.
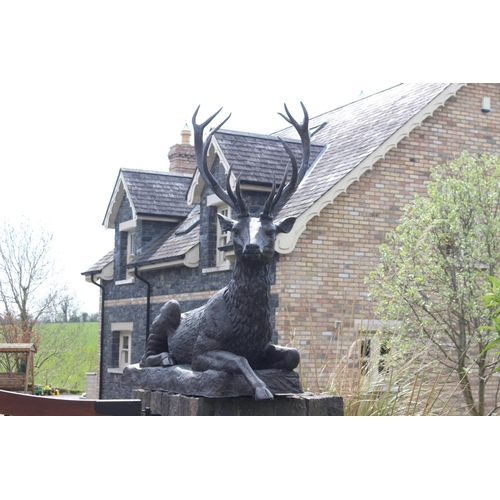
x=181 y=156
x=186 y=135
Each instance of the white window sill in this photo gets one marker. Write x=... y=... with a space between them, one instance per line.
x=224 y=267
x=129 y=281
x=382 y=388
x=118 y=371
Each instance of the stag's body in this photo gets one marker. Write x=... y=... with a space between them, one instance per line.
x=241 y=327
x=232 y=331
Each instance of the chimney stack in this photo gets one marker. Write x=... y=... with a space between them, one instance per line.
x=181 y=156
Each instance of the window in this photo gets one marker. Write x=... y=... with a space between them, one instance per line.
x=121 y=347
x=373 y=355
x=368 y=355
x=127 y=249
x=223 y=238
x=124 y=354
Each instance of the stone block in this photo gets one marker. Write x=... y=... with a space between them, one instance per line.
x=284 y=405
x=165 y=404
x=156 y=401
x=290 y=405
x=203 y=407
x=325 y=405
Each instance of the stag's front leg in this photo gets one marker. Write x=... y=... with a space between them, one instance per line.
x=163 y=325
x=228 y=362
x=279 y=358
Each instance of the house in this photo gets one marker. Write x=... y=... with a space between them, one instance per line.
x=368 y=160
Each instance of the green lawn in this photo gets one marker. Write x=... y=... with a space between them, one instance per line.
x=67 y=351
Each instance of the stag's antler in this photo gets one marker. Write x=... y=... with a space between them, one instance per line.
x=277 y=201
x=228 y=196
x=235 y=200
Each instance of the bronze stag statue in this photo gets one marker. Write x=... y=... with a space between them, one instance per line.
x=232 y=331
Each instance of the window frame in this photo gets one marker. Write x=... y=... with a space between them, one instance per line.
x=130 y=245
x=128 y=253
x=119 y=332
x=375 y=376
x=122 y=349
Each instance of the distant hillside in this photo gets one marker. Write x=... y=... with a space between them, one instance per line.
x=67 y=351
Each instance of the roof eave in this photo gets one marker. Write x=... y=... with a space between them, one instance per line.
x=119 y=191
x=189 y=258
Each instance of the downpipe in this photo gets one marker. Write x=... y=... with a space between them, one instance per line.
x=101 y=357
x=148 y=300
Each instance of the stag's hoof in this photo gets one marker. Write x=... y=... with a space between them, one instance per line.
x=166 y=359
x=292 y=359
x=262 y=393
x=148 y=361
x=162 y=359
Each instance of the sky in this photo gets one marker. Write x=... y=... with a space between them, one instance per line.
x=90 y=87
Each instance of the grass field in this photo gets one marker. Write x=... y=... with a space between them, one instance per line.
x=67 y=351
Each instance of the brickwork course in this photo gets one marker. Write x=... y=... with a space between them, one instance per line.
x=370 y=158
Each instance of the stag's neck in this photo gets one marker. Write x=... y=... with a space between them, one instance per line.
x=251 y=284
x=253 y=277
x=247 y=299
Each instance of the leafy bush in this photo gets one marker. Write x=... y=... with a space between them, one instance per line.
x=433 y=270
x=492 y=300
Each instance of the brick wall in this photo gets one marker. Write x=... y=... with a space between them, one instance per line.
x=321 y=283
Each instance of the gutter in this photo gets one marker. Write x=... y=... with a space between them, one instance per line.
x=101 y=357
x=156 y=261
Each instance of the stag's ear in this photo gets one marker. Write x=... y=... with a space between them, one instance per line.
x=285 y=226
x=226 y=224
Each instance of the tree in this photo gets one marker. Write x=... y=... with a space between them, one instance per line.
x=27 y=287
x=69 y=309
x=434 y=268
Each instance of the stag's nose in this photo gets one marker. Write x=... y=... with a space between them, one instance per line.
x=252 y=248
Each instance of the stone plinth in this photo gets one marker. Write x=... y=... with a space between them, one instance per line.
x=91 y=389
x=300 y=405
x=180 y=379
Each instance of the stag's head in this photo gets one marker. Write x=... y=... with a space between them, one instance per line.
x=254 y=236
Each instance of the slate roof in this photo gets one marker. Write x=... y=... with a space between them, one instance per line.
x=101 y=264
x=259 y=157
x=354 y=131
x=345 y=137
x=157 y=193
x=174 y=244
